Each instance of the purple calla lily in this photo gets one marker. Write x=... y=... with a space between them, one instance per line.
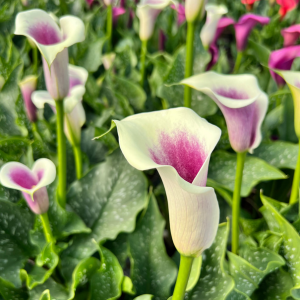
x=291 y=35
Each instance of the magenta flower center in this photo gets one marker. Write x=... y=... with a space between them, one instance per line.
x=45 y=34
x=23 y=178
x=231 y=93
x=181 y=151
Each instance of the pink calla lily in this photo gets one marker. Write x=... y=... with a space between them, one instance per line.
x=180 y=13
x=117 y=12
x=291 y=35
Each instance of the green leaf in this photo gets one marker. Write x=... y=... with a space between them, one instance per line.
x=127 y=286
x=106 y=283
x=278 y=154
x=258 y=50
x=273 y=119
x=108 y=198
x=222 y=169
x=153 y=271
x=144 y=297
x=214 y=283
x=195 y=273
x=9 y=292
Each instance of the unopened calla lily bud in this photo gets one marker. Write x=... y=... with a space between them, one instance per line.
x=242 y=102
x=214 y=14
x=53 y=42
x=194 y=8
x=178 y=143
x=32 y=183
x=291 y=35
x=28 y=86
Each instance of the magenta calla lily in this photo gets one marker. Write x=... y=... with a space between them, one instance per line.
x=178 y=143
x=291 y=35
x=32 y=183
x=28 y=86
x=180 y=13
x=244 y=27
x=53 y=42
x=117 y=12
x=282 y=59
x=243 y=103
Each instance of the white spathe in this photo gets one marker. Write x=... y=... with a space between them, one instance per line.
x=193 y=9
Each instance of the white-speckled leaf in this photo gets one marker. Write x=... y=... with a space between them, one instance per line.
x=9 y=292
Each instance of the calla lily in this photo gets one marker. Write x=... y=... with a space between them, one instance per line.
x=180 y=13
x=282 y=59
x=193 y=8
x=28 y=86
x=244 y=26
x=242 y=102
x=108 y=2
x=32 y=183
x=89 y=2
x=108 y=60
x=117 y=12
x=214 y=54
x=291 y=35
x=249 y=3
x=53 y=43
x=214 y=14
x=147 y=12
x=286 y=6
x=178 y=143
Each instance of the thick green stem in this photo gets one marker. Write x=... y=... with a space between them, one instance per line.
x=47 y=229
x=238 y=62
x=295 y=186
x=62 y=155
x=109 y=26
x=143 y=62
x=236 y=202
x=183 y=277
x=78 y=160
x=189 y=62
x=35 y=59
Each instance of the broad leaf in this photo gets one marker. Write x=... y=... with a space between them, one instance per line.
x=9 y=292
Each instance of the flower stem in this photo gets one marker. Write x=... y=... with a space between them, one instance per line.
x=189 y=62
x=109 y=24
x=295 y=186
x=183 y=277
x=143 y=62
x=35 y=59
x=47 y=229
x=62 y=155
x=236 y=203
x=78 y=160
x=238 y=62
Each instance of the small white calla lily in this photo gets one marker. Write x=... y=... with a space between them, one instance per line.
x=214 y=14
x=193 y=8
x=147 y=12
x=32 y=183
x=178 y=143
x=243 y=103
x=52 y=42
x=108 y=60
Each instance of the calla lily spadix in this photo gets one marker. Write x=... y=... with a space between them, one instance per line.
x=242 y=102
x=32 y=183
x=53 y=42
x=178 y=143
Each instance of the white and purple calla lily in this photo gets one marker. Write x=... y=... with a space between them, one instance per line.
x=241 y=101
x=27 y=87
x=214 y=14
x=194 y=8
x=282 y=59
x=32 y=183
x=147 y=12
x=53 y=42
x=178 y=143
x=291 y=35
x=244 y=27
x=74 y=111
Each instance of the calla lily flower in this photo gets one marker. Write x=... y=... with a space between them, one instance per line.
x=178 y=143
x=208 y=32
x=28 y=86
x=32 y=183
x=214 y=54
x=244 y=26
x=241 y=101
x=291 y=35
x=282 y=59
x=108 y=2
x=53 y=43
x=147 y=12
x=249 y=3
x=108 y=60
x=180 y=13
x=117 y=12
x=286 y=6
x=193 y=8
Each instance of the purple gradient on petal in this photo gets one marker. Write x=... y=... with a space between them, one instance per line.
x=23 y=178
x=222 y=24
x=31 y=109
x=244 y=26
x=89 y=2
x=117 y=12
x=231 y=93
x=161 y=40
x=180 y=13
x=74 y=81
x=181 y=151
x=291 y=35
x=45 y=34
x=282 y=59
x=214 y=53
x=40 y=204
x=297 y=84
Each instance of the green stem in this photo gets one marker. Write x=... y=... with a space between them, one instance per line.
x=47 y=229
x=78 y=160
x=238 y=62
x=189 y=62
x=183 y=277
x=109 y=26
x=35 y=59
x=62 y=155
x=143 y=62
x=295 y=186
x=63 y=6
x=236 y=201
